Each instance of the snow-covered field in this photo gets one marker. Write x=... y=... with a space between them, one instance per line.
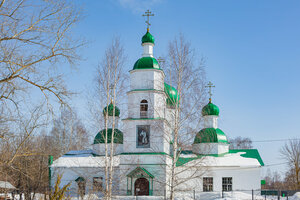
x=204 y=196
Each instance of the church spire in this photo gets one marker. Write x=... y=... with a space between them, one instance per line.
x=148 y=14
x=210 y=85
x=148 y=39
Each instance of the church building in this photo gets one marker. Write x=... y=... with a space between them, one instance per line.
x=143 y=148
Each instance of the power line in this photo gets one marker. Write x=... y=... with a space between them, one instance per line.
x=276 y=140
x=275 y=164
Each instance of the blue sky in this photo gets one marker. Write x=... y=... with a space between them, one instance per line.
x=251 y=49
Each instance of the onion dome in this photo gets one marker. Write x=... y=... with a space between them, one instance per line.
x=100 y=137
x=172 y=95
x=210 y=135
x=146 y=63
x=110 y=110
x=210 y=109
x=148 y=38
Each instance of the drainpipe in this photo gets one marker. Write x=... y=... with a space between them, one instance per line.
x=50 y=162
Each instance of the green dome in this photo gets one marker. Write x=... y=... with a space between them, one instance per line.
x=172 y=95
x=100 y=137
x=111 y=110
x=148 y=38
x=210 y=135
x=146 y=63
x=210 y=109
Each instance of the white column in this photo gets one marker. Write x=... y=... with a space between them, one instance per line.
x=148 y=50
x=210 y=121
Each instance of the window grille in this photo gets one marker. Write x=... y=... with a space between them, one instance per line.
x=227 y=183
x=207 y=184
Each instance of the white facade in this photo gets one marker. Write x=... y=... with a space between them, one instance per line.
x=145 y=157
x=210 y=148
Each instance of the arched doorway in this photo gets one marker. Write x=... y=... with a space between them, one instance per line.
x=141 y=187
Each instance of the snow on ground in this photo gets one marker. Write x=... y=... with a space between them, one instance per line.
x=296 y=196
x=185 y=196
x=231 y=159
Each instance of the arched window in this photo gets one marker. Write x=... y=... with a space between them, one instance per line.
x=144 y=109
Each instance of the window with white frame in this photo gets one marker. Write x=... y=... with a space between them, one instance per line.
x=207 y=184
x=144 y=109
x=227 y=183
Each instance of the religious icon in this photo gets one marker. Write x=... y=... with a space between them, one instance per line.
x=143 y=136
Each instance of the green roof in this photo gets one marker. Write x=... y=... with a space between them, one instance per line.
x=210 y=135
x=146 y=63
x=210 y=109
x=140 y=172
x=172 y=95
x=100 y=137
x=148 y=38
x=110 y=110
x=249 y=153
x=79 y=179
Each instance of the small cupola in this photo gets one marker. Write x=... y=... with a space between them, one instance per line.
x=147 y=38
x=110 y=109
x=210 y=109
x=146 y=63
x=210 y=139
x=111 y=114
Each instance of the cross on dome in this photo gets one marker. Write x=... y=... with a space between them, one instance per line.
x=148 y=14
x=210 y=85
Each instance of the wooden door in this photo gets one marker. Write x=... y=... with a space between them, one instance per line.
x=141 y=187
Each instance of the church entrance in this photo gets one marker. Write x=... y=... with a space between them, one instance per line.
x=141 y=187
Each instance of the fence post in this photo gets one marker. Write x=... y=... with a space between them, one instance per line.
x=266 y=195
x=194 y=195
x=278 y=195
x=252 y=194
x=287 y=195
x=222 y=193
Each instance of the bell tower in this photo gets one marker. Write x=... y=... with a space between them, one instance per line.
x=146 y=142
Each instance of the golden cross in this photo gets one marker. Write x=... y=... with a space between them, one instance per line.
x=210 y=85
x=148 y=14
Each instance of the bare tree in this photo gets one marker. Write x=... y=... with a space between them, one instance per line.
x=291 y=153
x=68 y=133
x=240 y=143
x=35 y=37
x=273 y=180
x=189 y=80
x=110 y=89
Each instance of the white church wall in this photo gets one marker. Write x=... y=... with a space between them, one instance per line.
x=69 y=175
x=210 y=148
x=243 y=178
x=157 y=138
x=135 y=99
x=246 y=178
x=100 y=148
x=146 y=79
x=223 y=148
x=156 y=103
x=159 y=105
x=148 y=49
x=159 y=79
x=211 y=121
x=153 y=163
